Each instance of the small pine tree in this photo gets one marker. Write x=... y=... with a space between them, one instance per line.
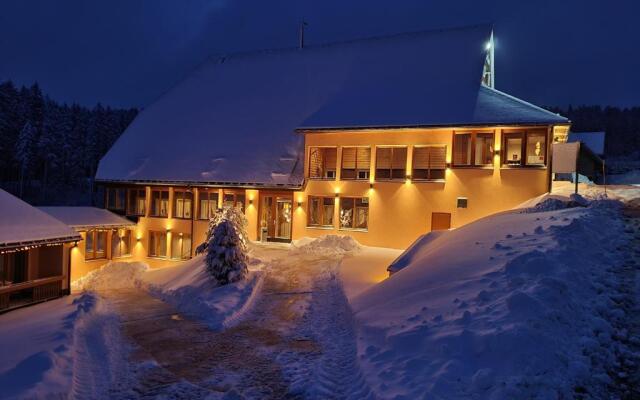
x=226 y=246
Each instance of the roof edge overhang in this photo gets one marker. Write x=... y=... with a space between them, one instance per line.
x=15 y=246
x=231 y=185
x=439 y=126
x=82 y=228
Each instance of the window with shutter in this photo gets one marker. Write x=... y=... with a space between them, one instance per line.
x=391 y=163
x=323 y=162
x=429 y=163
x=356 y=162
x=473 y=149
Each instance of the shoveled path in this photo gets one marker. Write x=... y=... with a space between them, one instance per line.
x=276 y=351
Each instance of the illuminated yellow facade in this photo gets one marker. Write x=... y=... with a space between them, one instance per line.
x=393 y=213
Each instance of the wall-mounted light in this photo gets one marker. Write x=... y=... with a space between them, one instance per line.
x=370 y=185
x=250 y=201
x=337 y=194
x=75 y=244
x=138 y=239
x=168 y=229
x=180 y=234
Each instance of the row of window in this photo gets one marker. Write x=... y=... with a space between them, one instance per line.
x=429 y=163
x=96 y=244
x=182 y=202
x=474 y=149
x=354 y=212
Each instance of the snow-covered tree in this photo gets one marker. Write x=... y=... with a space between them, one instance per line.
x=25 y=151
x=226 y=246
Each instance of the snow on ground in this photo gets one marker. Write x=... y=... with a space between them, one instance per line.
x=515 y=305
x=113 y=275
x=328 y=245
x=48 y=348
x=365 y=268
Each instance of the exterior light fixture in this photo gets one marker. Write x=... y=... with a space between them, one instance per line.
x=337 y=194
x=371 y=185
x=251 y=201
x=138 y=239
x=299 y=203
x=168 y=229
x=75 y=244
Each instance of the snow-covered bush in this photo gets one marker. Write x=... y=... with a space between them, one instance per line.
x=226 y=246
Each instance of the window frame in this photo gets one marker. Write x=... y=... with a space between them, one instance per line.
x=322 y=223
x=181 y=236
x=356 y=169
x=523 y=136
x=208 y=194
x=355 y=209
x=133 y=209
x=335 y=169
x=149 y=248
x=235 y=194
x=472 y=162
x=413 y=168
x=119 y=198
x=391 y=169
x=181 y=194
x=92 y=254
x=128 y=233
x=152 y=212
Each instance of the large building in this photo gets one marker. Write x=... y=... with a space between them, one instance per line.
x=383 y=139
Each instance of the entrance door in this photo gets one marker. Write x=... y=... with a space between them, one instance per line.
x=276 y=213
x=440 y=221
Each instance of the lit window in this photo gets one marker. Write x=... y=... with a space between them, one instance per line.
x=120 y=243
x=323 y=162
x=157 y=244
x=321 y=211
x=95 y=244
x=531 y=144
x=233 y=199
x=137 y=201
x=208 y=204
x=473 y=149
x=429 y=163
x=356 y=162
x=391 y=163
x=354 y=213
x=159 y=203
x=180 y=246
x=183 y=201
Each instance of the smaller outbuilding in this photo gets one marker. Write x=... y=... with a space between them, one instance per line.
x=105 y=236
x=34 y=254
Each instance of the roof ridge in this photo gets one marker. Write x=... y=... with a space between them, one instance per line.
x=524 y=102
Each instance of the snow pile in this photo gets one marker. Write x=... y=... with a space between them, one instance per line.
x=113 y=275
x=74 y=350
x=329 y=245
x=517 y=305
x=551 y=202
x=190 y=289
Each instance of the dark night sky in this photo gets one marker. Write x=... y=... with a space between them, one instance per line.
x=127 y=52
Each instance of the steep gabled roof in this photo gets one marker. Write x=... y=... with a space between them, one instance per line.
x=24 y=225
x=82 y=218
x=233 y=120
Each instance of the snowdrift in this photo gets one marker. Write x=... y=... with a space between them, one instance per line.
x=512 y=306
x=113 y=275
x=329 y=245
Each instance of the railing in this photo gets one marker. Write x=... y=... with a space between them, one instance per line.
x=20 y=294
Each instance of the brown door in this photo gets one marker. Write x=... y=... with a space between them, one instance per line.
x=440 y=221
x=276 y=213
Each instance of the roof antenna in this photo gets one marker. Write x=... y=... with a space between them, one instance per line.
x=303 y=23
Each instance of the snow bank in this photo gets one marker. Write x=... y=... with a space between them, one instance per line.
x=113 y=275
x=70 y=347
x=329 y=245
x=517 y=305
x=191 y=290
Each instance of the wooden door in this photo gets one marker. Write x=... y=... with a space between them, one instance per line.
x=440 y=221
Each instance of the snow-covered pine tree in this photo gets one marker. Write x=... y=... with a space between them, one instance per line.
x=24 y=151
x=226 y=246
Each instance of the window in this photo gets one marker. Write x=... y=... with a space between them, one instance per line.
x=95 y=244
x=391 y=163
x=180 y=246
x=137 y=201
x=120 y=243
x=531 y=144
x=356 y=162
x=183 y=203
x=157 y=244
x=429 y=163
x=323 y=162
x=208 y=204
x=14 y=268
x=321 y=211
x=473 y=149
x=116 y=198
x=233 y=199
x=159 y=203
x=354 y=213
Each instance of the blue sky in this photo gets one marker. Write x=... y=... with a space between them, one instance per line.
x=128 y=52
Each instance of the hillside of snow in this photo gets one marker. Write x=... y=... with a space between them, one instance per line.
x=521 y=304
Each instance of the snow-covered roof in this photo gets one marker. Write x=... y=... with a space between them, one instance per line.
x=22 y=225
x=593 y=140
x=82 y=218
x=234 y=119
